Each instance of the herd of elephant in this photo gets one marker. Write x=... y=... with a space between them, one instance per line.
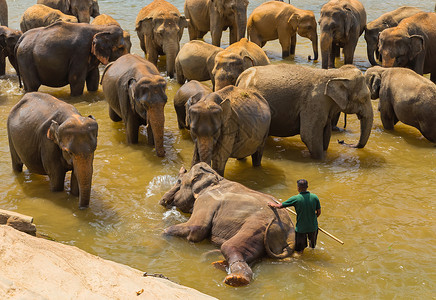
x=251 y=99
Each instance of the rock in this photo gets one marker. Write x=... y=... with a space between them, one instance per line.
x=35 y=268
x=18 y=221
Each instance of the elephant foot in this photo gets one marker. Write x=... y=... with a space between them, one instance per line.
x=236 y=280
x=221 y=265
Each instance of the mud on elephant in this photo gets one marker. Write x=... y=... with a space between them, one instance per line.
x=135 y=92
x=83 y=10
x=304 y=100
x=160 y=26
x=232 y=216
x=278 y=20
x=8 y=39
x=51 y=138
x=232 y=122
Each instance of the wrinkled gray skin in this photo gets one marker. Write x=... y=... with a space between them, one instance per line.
x=404 y=96
x=83 y=10
x=191 y=62
x=104 y=19
x=40 y=15
x=135 y=92
x=304 y=100
x=387 y=20
x=51 y=138
x=3 y=13
x=232 y=216
x=216 y=16
x=341 y=24
x=187 y=95
x=232 y=122
x=8 y=40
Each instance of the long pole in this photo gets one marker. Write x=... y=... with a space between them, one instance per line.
x=320 y=229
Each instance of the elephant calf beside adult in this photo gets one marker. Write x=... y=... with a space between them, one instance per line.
x=304 y=100
x=135 y=92
x=404 y=96
x=51 y=138
x=278 y=20
x=8 y=39
x=232 y=216
x=83 y=10
x=40 y=15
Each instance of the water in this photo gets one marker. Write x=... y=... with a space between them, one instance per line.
x=379 y=200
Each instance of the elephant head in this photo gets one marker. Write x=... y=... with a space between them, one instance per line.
x=147 y=98
x=8 y=40
x=83 y=9
x=305 y=25
x=95 y=10
x=188 y=187
x=373 y=80
x=77 y=139
x=235 y=11
x=208 y=120
x=352 y=96
x=108 y=45
x=371 y=38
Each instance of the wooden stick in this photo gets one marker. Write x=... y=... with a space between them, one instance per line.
x=320 y=229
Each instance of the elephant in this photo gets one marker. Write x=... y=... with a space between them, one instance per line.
x=3 y=13
x=187 y=95
x=51 y=138
x=235 y=218
x=341 y=24
x=387 y=20
x=104 y=19
x=232 y=122
x=304 y=100
x=8 y=40
x=411 y=44
x=159 y=26
x=83 y=10
x=216 y=16
x=135 y=92
x=278 y=20
x=404 y=96
x=226 y=65
x=66 y=53
x=191 y=62
x=40 y=15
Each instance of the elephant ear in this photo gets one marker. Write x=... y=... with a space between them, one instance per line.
x=95 y=10
x=53 y=132
x=147 y=24
x=416 y=46
x=247 y=62
x=183 y=22
x=226 y=106
x=374 y=85
x=293 y=21
x=349 y=19
x=2 y=41
x=337 y=89
x=101 y=47
x=131 y=85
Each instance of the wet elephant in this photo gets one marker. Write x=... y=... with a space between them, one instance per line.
x=232 y=122
x=216 y=16
x=104 y=19
x=411 y=44
x=8 y=39
x=160 y=26
x=278 y=20
x=83 y=10
x=135 y=92
x=387 y=20
x=66 y=53
x=304 y=100
x=50 y=137
x=40 y=15
x=234 y=217
x=3 y=13
x=341 y=24
x=397 y=89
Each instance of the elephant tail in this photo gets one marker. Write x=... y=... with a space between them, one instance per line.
x=287 y=249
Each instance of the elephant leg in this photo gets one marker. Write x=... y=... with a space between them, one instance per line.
x=349 y=52
x=255 y=37
x=132 y=129
x=256 y=157
x=179 y=73
x=327 y=135
x=77 y=80
x=387 y=116
x=222 y=154
x=74 y=186
x=113 y=115
x=57 y=178
x=312 y=135
x=293 y=43
x=332 y=55
x=180 y=230
x=92 y=80
x=193 y=33
x=337 y=51
x=433 y=76
x=233 y=35
x=2 y=64
x=285 y=42
x=196 y=156
x=335 y=121
x=17 y=165
x=216 y=29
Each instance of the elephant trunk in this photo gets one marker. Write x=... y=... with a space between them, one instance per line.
x=314 y=40
x=326 y=49
x=83 y=16
x=366 y=120
x=171 y=52
x=156 y=119
x=205 y=148
x=83 y=170
x=370 y=49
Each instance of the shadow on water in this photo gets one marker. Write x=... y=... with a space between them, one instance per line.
x=410 y=135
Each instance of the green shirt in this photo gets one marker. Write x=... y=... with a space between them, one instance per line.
x=305 y=205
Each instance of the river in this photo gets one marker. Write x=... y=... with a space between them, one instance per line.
x=379 y=200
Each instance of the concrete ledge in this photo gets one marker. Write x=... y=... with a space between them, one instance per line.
x=18 y=221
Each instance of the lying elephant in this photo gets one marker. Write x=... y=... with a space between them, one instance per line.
x=304 y=100
x=187 y=95
x=51 y=138
x=8 y=39
x=40 y=15
x=191 y=62
x=83 y=10
x=67 y=53
x=135 y=92
x=232 y=122
x=227 y=65
x=104 y=19
x=404 y=96
x=232 y=216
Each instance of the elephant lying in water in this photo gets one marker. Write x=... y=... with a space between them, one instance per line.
x=232 y=216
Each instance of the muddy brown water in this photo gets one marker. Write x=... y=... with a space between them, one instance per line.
x=379 y=200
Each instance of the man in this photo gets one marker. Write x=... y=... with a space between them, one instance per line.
x=308 y=210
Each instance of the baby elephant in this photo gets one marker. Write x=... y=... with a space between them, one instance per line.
x=187 y=95
x=40 y=15
x=135 y=92
x=104 y=19
x=51 y=138
x=404 y=96
x=232 y=216
x=232 y=122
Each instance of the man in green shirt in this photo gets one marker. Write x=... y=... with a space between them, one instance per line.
x=308 y=210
